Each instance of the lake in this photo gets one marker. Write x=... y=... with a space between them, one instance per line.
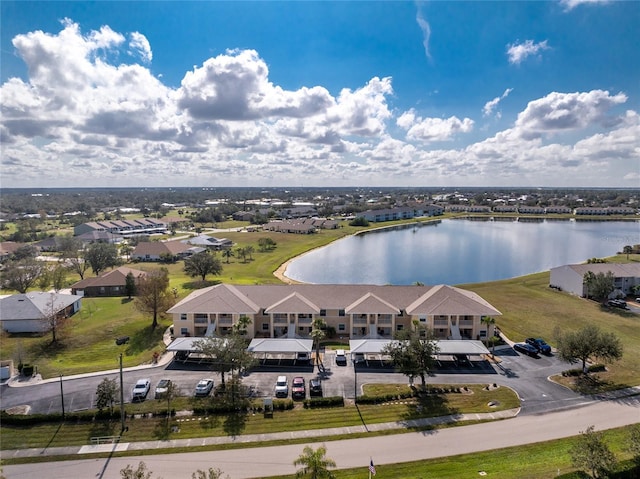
x=461 y=251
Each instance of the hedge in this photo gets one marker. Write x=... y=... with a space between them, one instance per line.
x=331 y=401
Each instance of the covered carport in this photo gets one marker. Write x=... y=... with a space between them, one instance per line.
x=185 y=349
x=368 y=350
x=276 y=350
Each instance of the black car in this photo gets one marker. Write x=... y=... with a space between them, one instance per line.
x=540 y=344
x=315 y=387
x=526 y=349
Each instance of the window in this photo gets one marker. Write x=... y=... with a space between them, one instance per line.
x=342 y=327
x=323 y=312
x=183 y=316
x=265 y=326
x=184 y=331
x=399 y=327
x=423 y=319
x=341 y=312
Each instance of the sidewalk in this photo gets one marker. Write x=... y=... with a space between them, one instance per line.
x=253 y=438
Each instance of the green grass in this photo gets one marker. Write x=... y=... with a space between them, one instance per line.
x=298 y=419
x=532 y=461
x=530 y=308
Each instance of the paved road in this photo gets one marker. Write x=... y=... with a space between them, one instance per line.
x=277 y=461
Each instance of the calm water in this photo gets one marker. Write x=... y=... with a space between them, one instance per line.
x=461 y=251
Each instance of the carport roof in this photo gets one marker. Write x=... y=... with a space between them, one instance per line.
x=186 y=344
x=449 y=346
x=269 y=345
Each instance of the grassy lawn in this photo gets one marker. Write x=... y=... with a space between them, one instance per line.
x=297 y=419
x=531 y=308
x=532 y=461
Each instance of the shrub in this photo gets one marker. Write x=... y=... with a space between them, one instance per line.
x=27 y=369
x=331 y=401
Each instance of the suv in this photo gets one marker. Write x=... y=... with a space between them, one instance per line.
x=298 y=390
x=540 y=344
x=162 y=388
x=315 y=387
x=341 y=357
x=140 y=390
x=282 y=387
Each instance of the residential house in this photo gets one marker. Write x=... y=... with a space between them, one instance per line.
x=138 y=227
x=7 y=248
x=159 y=250
x=209 y=242
x=109 y=283
x=28 y=313
x=354 y=311
x=570 y=277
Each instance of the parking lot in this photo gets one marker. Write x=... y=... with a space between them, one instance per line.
x=526 y=375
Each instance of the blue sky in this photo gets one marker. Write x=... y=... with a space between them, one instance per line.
x=395 y=93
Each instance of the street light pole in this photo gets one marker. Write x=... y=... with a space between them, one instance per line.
x=121 y=398
x=62 y=396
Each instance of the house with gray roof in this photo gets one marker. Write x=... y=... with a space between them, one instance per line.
x=209 y=242
x=28 y=313
x=354 y=311
x=570 y=277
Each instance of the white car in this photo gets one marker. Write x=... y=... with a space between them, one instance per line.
x=341 y=357
x=162 y=388
x=140 y=390
x=204 y=387
x=282 y=387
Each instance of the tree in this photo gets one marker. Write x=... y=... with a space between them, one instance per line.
x=58 y=277
x=266 y=244
x=130 y=285
x=242 y=253
x=413 y=352
x=599 y=286
x=227 y=354
x=141 y=472
x=627 y=250
x=72 y=253
x=202 y=264
x=23 y=274
x=55 y=318
x=101 y=256
x=589 y=342
x=107 y=394
x=249 y=250
x=488 y=321
x=172 y=392
x=228 y=253
x=593 y=454
x=314 y=463
x=44 y=280
x=317 y=334
x=154 y=296
x=209 y=474
x=25 y=251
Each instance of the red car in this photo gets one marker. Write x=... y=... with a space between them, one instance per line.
x=298 y=390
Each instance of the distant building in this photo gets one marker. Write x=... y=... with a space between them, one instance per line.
x=124 y=228
x=570 y=277
x=109 y=283
x=157 y=250
x=209 y=242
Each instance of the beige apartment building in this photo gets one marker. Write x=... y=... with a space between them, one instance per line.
x=354 y=311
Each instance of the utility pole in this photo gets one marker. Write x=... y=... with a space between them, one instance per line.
x=121 y=398
x=62 y=396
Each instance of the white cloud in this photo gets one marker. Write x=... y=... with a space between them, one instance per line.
x=432 y=129
x=491 y=105
x=425 y=28
x=88 y=118
x=518 y=52
x=571 y=4
x=558 y=112
x=140 y=46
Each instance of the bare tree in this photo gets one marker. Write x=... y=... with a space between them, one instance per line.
x=23 y=274
x=55 y=317
x=154 y=296
x=72 y=253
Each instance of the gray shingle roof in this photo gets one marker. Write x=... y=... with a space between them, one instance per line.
x=34 y=305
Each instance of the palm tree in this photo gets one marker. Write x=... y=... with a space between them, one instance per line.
x=315 y=464
x=489 y=321
x=317 y=335
x=249 y=251
x=227 y=253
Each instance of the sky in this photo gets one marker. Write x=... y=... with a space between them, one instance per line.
x=331 y=93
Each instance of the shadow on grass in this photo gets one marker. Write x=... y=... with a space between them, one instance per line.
x=163 y=429
x=592 y=384
x=144 y=340
x=234 y=423
x=126 y=300
x=52 y=438
x=200 y=284
x=103 y=428
x=431 y=404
